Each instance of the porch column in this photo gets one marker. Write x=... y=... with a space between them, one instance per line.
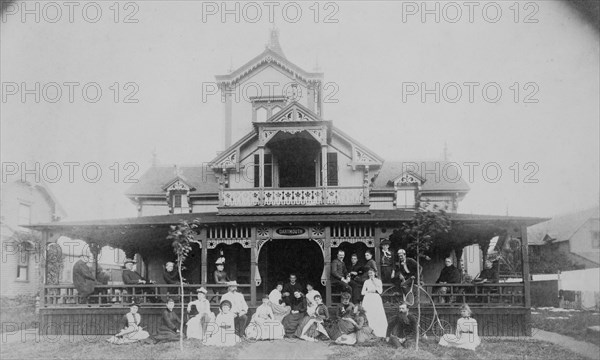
x=324 y=168
x=261 y=175
x=204 y=256
x=253 y=266
x=525 y=260
x=377 y=250
x=366 y=183
x=43 y=265
x=327 y=264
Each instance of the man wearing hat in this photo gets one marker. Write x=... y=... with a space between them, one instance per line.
x=405 y=272
x=238 y=307
x=132 y=277
x=200 y=316
x=387 y=261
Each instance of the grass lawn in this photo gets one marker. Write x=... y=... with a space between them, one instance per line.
x=79 y=348
x=569 y=323
x=488 y=350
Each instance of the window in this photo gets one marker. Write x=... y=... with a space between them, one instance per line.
x=179 y=203
x=23 y=266
x=405 y=198
x=24 y=214
x=268 y=170
x=596 y=239
x=332 y=169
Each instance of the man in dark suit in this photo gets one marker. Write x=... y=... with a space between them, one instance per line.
x=405 y=272
x=83 y=279
x=289 y=289
x=402 y=328
x=340 y=276
x=132 y=277
x=449 y=275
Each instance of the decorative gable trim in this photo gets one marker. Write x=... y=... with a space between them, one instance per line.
x=408 y=178
x=227 y=161
x=294 y=112
x=177 y=184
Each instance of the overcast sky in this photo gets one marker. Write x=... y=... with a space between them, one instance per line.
x=372 y=56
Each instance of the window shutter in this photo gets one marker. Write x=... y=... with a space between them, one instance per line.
x=268 y=170
x=332 y=169
x=256 y=170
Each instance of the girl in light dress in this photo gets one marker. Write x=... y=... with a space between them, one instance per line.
x=310 y=299
x=132 y=332
x=263 y=325
x=223 y=329
x=280 y=310
x=312 y=327
x=372 y=289
x=466 y=336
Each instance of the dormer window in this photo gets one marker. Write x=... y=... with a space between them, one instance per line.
x=407 y=186
x=178 y=192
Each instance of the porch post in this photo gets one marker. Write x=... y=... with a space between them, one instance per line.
x=327 y=264
x=253 y=262
x=377 y=249
x=43 y=265
x=525 y=260
x=324 y=169
x=204 y=256
x=261 y=175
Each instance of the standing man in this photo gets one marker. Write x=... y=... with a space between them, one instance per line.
x=238 y=307
x=289 y=289
x=387 y=262
x=402 y=329
x=83 y=279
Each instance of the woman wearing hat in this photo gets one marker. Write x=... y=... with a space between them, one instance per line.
x=223 y=329
x=132 y=331
x=387 y=261
x=200 y=316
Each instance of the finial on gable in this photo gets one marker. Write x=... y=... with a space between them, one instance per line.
x=274 y=41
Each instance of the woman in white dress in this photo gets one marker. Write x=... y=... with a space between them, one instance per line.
x=372 y=289
x=311 y=305
x=466 y=336
x=200 y=316
x=223 y=329
x=132 y=331
x=263 y=325
x=280 y=310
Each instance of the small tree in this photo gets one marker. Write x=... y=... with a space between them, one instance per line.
x=420 y=232
x=182 y=237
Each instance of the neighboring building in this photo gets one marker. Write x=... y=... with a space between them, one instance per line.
x=576 y=235
x=23 y=203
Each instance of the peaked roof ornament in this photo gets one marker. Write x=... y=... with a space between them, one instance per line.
x=274 y=42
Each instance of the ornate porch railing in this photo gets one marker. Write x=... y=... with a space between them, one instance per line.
x=293 y=196
x=59 y=296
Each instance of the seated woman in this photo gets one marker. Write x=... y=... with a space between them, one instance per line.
x=344 y=324
x=280 y=310
x=311 y=327
x=200 y=316
x=263 y=325
x=132 y=331
x=169 y=325
x=466 y=336
x=223 y=329
x=292 y=320
x=362 y=332
x=310 y=299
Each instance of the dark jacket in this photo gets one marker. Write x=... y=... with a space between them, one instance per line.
x=83 y=279
x=171 y=277
x=449 y=274
x=338 y=269
x=131 y=277
x=403 y=326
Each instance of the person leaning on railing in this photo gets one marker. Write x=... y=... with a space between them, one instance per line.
x=487 y=276
x=132 y=277
x=449 y=275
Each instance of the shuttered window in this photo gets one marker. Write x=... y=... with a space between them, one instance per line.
x=332 y=169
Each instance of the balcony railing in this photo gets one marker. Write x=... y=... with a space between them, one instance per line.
x=293 y=197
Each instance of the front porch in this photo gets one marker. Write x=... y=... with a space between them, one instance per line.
x=263 y=250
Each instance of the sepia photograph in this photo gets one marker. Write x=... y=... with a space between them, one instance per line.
x=336 y=180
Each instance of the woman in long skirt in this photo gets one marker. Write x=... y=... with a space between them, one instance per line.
x=280 y=310
x=311 y=327
x=263 y=325
x=311 y=305
x=223 y=332
x=344 y=324
x=292 y=320
x=132 y=332
x=169 y=325
x=372 y=289
x=466 y=336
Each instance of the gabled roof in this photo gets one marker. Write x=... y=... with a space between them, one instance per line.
x=200 y=178
x=560 y=228
x=439 y=176
x=294 y=112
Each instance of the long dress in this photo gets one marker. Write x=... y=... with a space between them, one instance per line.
x=222 y=331
x=83 y=279
x=280 y=310
x=291 y=321
x=374 y=306
x=312 y=325
x=365 y=332
x=132 y=331
x=263 y=325
x=200 y=313
x=466 y=336
x=169 y=327
x=344 y=324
